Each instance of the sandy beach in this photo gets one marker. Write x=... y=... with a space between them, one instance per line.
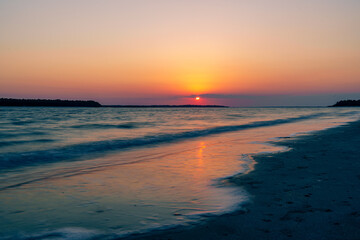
x=309 y=192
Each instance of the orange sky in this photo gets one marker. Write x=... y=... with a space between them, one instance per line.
x=114 y=51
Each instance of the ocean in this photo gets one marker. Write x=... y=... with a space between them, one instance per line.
x=104 y=173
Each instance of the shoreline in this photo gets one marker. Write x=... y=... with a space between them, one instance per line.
x=308 y=192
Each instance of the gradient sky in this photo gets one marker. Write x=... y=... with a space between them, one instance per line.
x=233 y=52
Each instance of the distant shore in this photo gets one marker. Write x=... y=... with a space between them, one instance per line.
x=12 y=102
x=309 y=192
x=347 y=103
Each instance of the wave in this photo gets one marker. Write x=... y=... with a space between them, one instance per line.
x=23 y=122
x=94 y=149
x=10 y=134
x=129 y=125
x=350 y=113
x=17 y=142
x=64 y=233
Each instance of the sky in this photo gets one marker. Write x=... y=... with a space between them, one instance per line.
x=230 y=52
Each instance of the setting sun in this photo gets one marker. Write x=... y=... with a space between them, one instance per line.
x=197 y=98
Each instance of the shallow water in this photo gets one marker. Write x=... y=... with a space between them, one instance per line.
x=75 y=173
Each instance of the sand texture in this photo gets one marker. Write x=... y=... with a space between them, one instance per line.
x=310 y=192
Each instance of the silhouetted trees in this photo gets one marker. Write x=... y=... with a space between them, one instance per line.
x=80 y=103
x=347 y=103
x=47 y=103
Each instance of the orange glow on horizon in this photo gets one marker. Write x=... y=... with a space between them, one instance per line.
x=123 y=54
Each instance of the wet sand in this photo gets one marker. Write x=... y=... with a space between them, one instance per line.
x=309 y=192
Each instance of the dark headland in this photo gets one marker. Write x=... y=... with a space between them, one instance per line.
x=347 y=103
x=12 y=102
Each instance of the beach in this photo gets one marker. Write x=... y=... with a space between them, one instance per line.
x=309 y=192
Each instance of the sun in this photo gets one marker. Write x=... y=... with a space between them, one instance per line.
x=197 y=98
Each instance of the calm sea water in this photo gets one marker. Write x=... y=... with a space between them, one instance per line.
x=79 y=173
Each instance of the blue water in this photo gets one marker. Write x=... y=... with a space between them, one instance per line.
x=76 y=173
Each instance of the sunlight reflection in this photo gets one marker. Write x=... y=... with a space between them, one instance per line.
x=200 y=154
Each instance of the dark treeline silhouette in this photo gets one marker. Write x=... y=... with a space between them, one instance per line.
x=347 y=103
x=80 y=103
x=47 y=103
x=164 y=106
